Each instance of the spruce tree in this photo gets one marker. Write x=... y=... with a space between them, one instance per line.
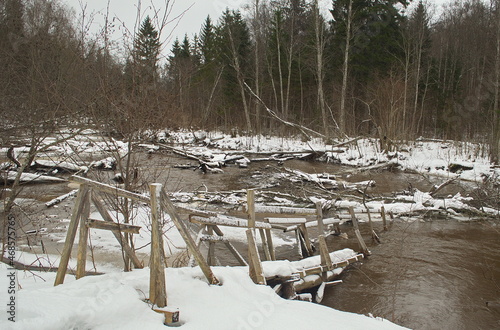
x=146 y=52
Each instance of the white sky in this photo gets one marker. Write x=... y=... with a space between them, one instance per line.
x=195 y=12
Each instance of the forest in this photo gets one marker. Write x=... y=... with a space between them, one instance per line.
x=373 y=68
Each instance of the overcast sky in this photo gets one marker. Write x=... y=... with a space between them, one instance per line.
x=193 y=14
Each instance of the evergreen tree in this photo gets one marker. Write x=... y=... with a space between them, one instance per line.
x=146 y=52
x=207 y=41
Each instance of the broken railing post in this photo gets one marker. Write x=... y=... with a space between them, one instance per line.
x=319 y=218
x=70 y=236
x=84 y=234
x=251 y=208
x=384 y=220
x=326 y=261
x=361 y=242
x=254 y=263
x=157 y=286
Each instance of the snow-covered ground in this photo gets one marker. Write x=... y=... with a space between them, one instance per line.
x=115 y=301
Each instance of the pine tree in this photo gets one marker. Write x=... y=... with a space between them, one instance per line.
x=146 y=52
x=207 y=41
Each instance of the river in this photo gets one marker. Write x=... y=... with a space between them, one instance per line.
x=425 y=274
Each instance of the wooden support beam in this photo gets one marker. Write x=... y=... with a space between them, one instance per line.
x=228 y=221
x=325 y=255
x=361 y=242
x=267 y=255
x=255 y=266
x=113 y=226
x=382 y=214
x=110 y=189
x=307 y=240
x=168 y=207
x=211 y=248
x=270 y=244
x=251 y=208
x=71 y=234
x=296 y=211
x=157 y=285
x=374 y=234
x=119 y=237
x=319 y=218
x=285 y=221
x=311 y=224
x=84 y=235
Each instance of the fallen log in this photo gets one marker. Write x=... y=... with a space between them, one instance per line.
x=61 y=198
x=10 y=176
x=56 y=165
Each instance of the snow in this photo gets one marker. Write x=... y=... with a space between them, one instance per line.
x=116 y=301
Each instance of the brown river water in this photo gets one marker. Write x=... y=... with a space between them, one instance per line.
x=425 y=274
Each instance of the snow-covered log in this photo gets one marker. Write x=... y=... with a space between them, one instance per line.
x=56 y=165
x=10 y=176
x=59 y=199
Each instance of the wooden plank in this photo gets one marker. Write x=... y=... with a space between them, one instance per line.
x=213 y=238
x=251 y=208
x=270 y=244
x=325 y=255
x=307 y=240
x=168 y=207
x=157 y=286
x=382 y=214
x=84 y=234
x=320 y=269
x=229 y=222
x=119 y=237
x=192 y=261
x=211 y=248
x=285 y=221
x=361 y=242
x=110 y=189
x=255 y=266
x=319 y=218
x=267 y=255
x=71 y=234
x=113 y=226
x=284 y=210
x=310 y=224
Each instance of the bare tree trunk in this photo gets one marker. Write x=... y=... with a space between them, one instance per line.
x=257 y=65
x=241 y=83
x=320 y=44
x=345 y=71
x=495 y=146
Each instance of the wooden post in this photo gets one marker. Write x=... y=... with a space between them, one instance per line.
x=362 y=244
x=382 y=214
x=267 y=255
x=167 y=205
x=270 y=243
x=255 y=266
x=251 y=208
x=118 y=235
x=299 y=243
x=70 y=236
x=374 y=234
x=326 y=261
x=211 y=248
x=319 y=218
x=157 y=286
x=84 y=235
x=307 y=241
